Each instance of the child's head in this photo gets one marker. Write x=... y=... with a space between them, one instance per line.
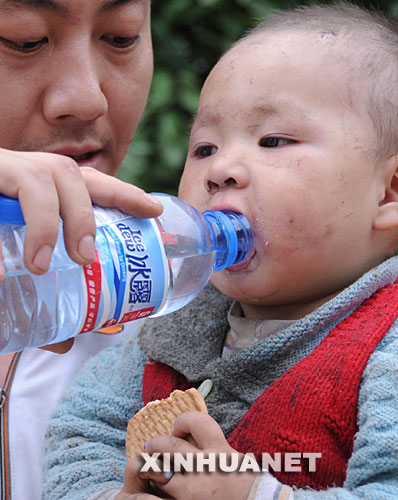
x=297 y=128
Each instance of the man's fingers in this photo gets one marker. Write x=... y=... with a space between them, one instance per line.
x=108 y=191
x=76 y=210
x=47 y=185
x=205 y=431
x=40 y=207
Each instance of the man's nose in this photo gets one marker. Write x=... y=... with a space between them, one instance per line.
x=227 y=170
x=74 y=90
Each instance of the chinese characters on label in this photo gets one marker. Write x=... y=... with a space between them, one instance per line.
x=140 y=283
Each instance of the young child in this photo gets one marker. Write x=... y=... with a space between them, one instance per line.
x=296 y=128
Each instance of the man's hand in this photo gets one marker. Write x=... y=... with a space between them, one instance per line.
x=49 y=185
x=208 y=438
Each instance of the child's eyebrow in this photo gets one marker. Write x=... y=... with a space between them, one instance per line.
x=278 y=108
x=192 y=120
x=208 y=117
x=204 y=118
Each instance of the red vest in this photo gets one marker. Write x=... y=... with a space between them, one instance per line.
x=312 y=407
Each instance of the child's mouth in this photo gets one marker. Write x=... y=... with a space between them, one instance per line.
x=242 y=265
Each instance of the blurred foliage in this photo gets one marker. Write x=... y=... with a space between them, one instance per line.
x=188 y=38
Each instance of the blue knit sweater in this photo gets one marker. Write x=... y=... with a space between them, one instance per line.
x=85 y=441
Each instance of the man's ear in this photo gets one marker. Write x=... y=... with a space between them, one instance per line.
x=386 y=217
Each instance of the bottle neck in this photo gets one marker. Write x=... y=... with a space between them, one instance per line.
x=232 y=237
x=10 y=211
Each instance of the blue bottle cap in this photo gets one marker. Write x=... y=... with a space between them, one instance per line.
x=232 y=237
x=10 y=211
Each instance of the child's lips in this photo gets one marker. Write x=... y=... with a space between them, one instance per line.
x=244 y=264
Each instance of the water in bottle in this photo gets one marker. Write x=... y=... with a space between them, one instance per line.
x=143 y=267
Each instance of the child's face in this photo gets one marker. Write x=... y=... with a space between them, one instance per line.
x=277 y=138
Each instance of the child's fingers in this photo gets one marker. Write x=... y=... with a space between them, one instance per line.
x=168 y=444
x=205 y=431
x=153 y=470
x=137 y=496
x=133 y=482
x=177 y=487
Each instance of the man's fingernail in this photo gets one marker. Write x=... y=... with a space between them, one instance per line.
x=43 y=257
x=86 y=247
x=153 y=200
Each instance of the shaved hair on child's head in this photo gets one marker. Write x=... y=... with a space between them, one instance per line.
x=369 y=41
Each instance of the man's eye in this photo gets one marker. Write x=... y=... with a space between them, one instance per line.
x=121 y=42
x=205 y=151
x=274 y=142
x=26 y=46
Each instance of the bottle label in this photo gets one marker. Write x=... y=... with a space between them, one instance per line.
x=129 y=278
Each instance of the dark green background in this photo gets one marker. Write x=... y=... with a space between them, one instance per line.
x=188 y=38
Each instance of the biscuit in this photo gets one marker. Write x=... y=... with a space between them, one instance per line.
x=158 y=417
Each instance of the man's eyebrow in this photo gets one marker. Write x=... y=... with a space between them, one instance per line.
x=112 y=4
x=50 y=5
x=58 y=8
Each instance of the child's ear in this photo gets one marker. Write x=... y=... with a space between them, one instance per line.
x=387 y=212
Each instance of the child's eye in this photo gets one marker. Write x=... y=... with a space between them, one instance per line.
x=121 y=42
x=26 y=46
x=205 y=150
x=274 y=142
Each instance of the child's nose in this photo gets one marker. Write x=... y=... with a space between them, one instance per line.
x=212 y=186
x=227 y=172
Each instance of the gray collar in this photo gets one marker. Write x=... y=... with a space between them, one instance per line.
x=195 y=332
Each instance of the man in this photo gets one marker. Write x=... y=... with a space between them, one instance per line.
x=74 y=79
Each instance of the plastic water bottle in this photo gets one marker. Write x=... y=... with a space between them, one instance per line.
x=143 y=267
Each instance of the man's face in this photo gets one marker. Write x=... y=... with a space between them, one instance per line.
x=277 y=138
x=74 y=77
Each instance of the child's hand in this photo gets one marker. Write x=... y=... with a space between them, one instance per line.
x=208 y=438
x=137 y=486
